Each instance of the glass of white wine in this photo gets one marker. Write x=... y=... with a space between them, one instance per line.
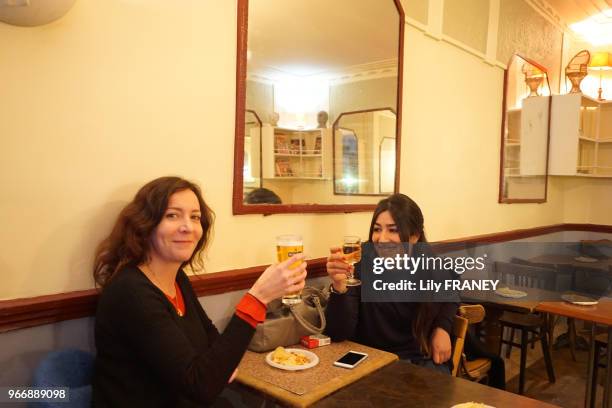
x=351 y=248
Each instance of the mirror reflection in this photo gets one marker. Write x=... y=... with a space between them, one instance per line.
x=305 y=71
x=525 y=132
x=252 y=151
x=364 y=152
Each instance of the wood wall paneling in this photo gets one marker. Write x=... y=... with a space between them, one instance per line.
x=29 y=312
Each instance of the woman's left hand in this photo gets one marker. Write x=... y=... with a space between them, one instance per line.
x=440 y=346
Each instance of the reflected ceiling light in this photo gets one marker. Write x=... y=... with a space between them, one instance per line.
x=349 y=181
x=596 y=29
x=300 y=97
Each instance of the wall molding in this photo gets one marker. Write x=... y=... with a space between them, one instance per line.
x=35 y=311
x=433 y=28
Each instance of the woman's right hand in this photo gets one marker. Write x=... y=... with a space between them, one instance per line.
x=337 y=269
x=279 y=280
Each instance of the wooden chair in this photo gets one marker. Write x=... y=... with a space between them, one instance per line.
x=475 y=370
x=592 y=281
x=601 y=343
x=530 y=323
x=565 y=271
x=459 y=331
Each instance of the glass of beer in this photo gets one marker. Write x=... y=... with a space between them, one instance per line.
x=351 y=248
x=287 y=246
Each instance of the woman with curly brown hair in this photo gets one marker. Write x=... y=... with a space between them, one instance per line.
x=156 y=347
x=418 y=331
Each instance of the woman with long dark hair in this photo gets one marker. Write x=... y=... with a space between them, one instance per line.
x=156 y=347
x=419 y=332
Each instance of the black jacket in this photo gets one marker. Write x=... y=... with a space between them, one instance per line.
x=148 y=356
x=383 y=325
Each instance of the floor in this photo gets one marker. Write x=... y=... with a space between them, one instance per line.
x=567 y=391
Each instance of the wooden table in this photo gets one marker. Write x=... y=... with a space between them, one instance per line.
x=402 y=384
x=303 y=388
x=598 y=314
x=527 y=304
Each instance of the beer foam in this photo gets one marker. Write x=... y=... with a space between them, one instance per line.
x=289 y=243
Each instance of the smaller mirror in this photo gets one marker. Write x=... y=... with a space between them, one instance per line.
x=364 y=152
x=525 y=132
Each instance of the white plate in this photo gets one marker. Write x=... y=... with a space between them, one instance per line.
x=314 y=360
x=510 y=293
x=586 y=259
x=579 y=300
x=470 y=404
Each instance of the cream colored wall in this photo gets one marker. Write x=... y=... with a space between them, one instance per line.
x=361 y=95
x=119 y=92
x=451 y=143
x=522 y=29
x=467 y=21
x=587 y=200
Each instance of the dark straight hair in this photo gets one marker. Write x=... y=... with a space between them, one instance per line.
x=409 y=220
x=406 y=214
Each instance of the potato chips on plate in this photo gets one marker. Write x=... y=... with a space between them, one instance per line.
x=292 y=359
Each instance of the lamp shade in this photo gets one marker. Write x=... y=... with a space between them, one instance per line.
x=601 y=60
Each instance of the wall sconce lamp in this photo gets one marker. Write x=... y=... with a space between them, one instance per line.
x=576 y=70
x=600 y=61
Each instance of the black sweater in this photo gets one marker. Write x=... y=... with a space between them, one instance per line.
x=383 y=325
x=148 y=356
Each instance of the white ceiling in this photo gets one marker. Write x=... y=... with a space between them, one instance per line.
x=313 y=37
x=572 y=11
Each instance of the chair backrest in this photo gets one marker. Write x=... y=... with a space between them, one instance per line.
x=525 y=275
x=474 y=313
x=466 y=315
x=67 y=368
x=459 y=331
x=593 y=281
x=564 y=278
x=521 y=261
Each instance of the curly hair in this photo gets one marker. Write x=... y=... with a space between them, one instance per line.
x=129 y=242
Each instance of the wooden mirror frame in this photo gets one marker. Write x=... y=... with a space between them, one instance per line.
x=502 y=154
x=238 y=205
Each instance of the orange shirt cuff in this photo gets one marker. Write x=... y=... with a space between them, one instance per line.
x=251 y=310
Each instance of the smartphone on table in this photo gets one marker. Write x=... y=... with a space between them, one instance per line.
x=351 y=359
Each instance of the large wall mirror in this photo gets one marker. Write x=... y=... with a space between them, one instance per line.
x=318 y=109
x=525 y=132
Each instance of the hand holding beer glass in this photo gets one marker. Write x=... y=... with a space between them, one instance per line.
x=351 y=248
x=287 y=246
